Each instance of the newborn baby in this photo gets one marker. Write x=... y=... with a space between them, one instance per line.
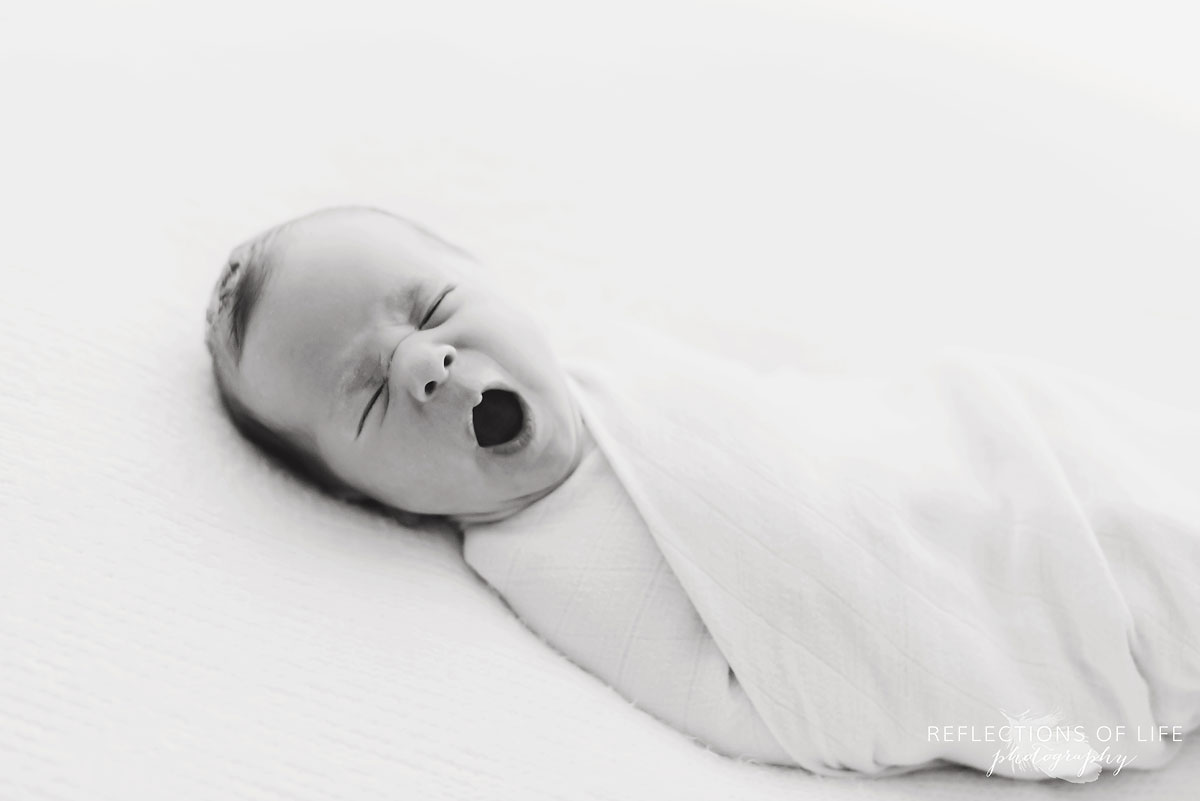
x=388 y=366
x=883 y=559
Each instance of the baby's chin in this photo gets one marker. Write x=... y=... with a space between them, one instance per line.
x=509 y=508
x=559 y=461
x=479 y=518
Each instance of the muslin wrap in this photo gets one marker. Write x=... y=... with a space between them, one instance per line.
x=971 y=559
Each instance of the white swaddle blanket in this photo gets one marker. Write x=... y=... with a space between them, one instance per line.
x=917 y=566
x=582 y=572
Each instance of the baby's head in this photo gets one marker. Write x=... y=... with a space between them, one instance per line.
x=380 y=362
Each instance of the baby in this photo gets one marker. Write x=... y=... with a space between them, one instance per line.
x=385 y=364
x=854 y=543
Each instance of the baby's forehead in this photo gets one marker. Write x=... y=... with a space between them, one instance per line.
x=345 y=238
x=337 y=278
x=355 y=244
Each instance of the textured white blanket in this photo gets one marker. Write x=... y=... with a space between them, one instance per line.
x=974 y=560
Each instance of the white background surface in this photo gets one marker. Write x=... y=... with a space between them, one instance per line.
x=805 y=180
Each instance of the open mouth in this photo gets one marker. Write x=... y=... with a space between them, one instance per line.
x=500 y=419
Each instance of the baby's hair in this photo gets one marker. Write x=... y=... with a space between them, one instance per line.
x=234 y=298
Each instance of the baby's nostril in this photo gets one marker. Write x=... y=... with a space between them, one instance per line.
x=430 y=387
x=446 y=362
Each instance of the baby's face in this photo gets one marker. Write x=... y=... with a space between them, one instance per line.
x=419 y=385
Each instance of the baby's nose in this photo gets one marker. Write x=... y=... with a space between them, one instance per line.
x=430 y=370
